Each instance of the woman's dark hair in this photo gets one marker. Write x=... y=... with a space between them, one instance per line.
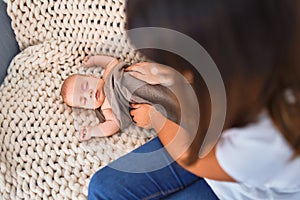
x=251 y=42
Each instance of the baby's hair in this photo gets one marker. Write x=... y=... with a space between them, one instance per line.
x=64 y=88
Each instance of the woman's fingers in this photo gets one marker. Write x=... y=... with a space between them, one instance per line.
x=136 y=74
x=138 y=67
x=139 y=105
x=140 y=115
x=135 y=71
x=134 y=67
x=135 y=111
x=152 y=73
x=135 y=105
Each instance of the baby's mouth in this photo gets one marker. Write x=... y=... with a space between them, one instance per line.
x=97 y=94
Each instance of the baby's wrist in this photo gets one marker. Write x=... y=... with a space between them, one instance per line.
x=92 y=60
x=96 y=131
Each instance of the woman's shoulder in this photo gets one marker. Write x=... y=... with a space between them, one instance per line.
x=263 y=131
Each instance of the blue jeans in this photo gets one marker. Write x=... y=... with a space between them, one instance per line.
x=125 y=178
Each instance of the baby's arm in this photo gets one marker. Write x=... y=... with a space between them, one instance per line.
x=97 y=60
x=107 y=128
x=106 y=62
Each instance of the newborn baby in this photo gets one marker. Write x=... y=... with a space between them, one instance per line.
x=87 y=91
x=120 y=86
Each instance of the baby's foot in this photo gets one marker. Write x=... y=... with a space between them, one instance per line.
x=88 y=61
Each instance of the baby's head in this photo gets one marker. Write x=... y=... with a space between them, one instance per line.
x=83 y=91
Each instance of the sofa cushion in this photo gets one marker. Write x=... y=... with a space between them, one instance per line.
x=8 y=43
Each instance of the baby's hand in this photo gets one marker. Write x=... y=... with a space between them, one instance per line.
x=86 y=133
x=88 y=61
x=91 y=131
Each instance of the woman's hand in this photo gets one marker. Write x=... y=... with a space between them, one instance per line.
x=141 y=115
x=152 y=73
x=146 y=116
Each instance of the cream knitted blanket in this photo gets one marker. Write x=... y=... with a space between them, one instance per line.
x=41 y=156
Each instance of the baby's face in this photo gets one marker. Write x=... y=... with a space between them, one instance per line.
x=85 y=92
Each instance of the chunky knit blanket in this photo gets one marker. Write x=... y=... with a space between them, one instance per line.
x=41 y=156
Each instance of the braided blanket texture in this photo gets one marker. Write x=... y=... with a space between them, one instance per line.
x=41 y=156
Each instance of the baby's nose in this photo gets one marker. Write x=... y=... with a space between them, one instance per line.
x=91 y=93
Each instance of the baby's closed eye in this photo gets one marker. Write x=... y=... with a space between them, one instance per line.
x=84 y=86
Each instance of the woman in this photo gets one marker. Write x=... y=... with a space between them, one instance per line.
x=257 y=157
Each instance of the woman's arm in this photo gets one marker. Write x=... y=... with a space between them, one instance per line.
x=174 y=138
